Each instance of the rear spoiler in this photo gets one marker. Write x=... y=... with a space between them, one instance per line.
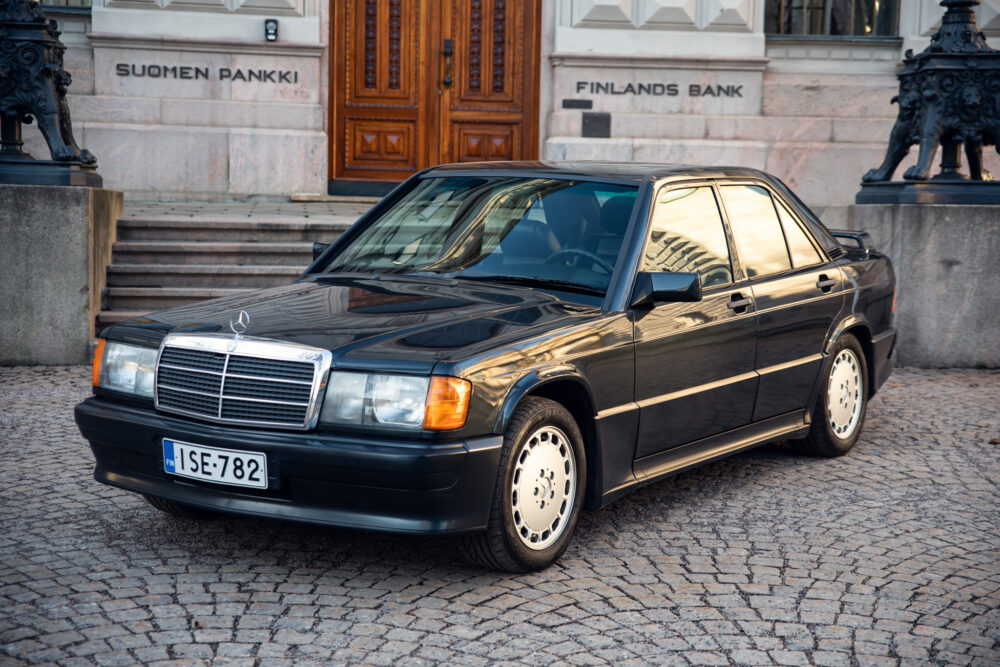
x=853 y=240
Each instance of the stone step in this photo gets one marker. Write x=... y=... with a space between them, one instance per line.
x=106 y=318
x=165 y=228
x=311 y=197
x=282 y=253
x=149 y=299
x=201 y=275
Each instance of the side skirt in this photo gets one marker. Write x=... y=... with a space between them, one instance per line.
x=664 y=464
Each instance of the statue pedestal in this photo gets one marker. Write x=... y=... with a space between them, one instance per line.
x=47 y=172
x=942 y=191
x=947 y=280
x=55 y=246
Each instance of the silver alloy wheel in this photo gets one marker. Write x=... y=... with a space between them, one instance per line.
x=543 y=487
x=843 y=394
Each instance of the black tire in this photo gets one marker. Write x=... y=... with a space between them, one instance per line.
x=826 y=438
x=179 y=510
x=501 y=546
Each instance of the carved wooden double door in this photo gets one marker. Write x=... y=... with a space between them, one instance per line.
x=422 y=82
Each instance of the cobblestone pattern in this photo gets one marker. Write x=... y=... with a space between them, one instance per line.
x=889 y=555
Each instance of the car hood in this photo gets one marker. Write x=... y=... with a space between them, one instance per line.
x=388 y=322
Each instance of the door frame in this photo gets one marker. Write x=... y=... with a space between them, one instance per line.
x=428 y=149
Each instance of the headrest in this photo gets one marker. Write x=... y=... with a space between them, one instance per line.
x=529 y=239
x=569 y=213
x=615 y=214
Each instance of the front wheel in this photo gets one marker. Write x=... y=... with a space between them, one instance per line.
x=840 y=410
x=539 y=491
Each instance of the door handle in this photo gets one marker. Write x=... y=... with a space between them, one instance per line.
x=739 y=304
x=825 y=284
x=449 y=51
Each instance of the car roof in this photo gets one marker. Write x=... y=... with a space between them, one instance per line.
x=616 y=171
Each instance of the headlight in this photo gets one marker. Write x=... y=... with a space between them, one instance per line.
x=127 y=368
x=397 y=401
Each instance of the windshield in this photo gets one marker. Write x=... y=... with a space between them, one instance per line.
x=498 y=228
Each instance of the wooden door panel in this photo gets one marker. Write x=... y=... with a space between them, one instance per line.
x=486 y=60
x=381 y=51
x=475 y=141
x=381 y=88
x=491 y=106
x=380 y=142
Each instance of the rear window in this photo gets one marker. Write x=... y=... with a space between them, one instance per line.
x=802 y=250
x=811 y=220
x=755 y=224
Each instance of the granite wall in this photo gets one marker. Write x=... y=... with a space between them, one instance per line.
x=55 y=246
x=181 y=104
x=815 y=111
x=948 y=278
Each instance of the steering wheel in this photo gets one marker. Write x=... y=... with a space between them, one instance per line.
x=595 y=261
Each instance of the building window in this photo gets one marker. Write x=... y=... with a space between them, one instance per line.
x=833 y=18
x=61 y=4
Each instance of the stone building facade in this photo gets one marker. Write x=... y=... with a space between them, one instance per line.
x=188 y=99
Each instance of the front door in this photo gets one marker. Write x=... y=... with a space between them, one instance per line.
x=422 y=82
x=694 y=362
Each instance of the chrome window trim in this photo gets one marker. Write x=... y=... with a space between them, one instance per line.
x=246 y=346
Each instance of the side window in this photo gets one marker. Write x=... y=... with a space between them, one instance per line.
x=756 y=229
x=803 y=252
x=687 y=236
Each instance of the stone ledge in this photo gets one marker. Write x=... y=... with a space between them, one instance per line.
x=175 y=44
x=657 y=62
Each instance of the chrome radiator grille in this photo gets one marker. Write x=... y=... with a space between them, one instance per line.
x=241 y=381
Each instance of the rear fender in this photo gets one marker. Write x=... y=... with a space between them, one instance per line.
x=849 y=322
x=854 y=322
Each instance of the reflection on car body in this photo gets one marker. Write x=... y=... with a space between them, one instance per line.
x=494 y=346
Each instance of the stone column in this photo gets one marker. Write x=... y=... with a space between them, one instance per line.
x=55 y=246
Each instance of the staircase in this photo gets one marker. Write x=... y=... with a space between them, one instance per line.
x=169 y=255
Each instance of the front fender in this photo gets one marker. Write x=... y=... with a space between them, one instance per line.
x=531 y=381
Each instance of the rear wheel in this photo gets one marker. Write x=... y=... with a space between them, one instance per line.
x=539 y=491
x=179 y=510
x=840 y=410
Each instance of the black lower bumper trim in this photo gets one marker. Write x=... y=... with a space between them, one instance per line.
x=324 y=478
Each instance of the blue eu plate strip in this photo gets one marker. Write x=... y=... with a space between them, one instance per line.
x=168 y=455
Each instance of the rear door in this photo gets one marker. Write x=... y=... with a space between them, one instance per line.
x=798 y=295
x=694 y=362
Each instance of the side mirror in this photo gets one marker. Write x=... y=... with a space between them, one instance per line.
x=653 y=288
x=319 y=249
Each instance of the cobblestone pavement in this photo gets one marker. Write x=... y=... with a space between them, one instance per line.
x=889 y=555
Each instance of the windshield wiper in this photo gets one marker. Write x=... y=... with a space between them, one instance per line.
x=527 y=281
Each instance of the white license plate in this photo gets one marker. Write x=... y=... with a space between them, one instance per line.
x=211 y=464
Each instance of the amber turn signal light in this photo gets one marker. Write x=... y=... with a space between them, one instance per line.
x=95 y=376
x=447 y=403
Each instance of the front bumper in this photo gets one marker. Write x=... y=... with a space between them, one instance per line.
x=316 y=477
